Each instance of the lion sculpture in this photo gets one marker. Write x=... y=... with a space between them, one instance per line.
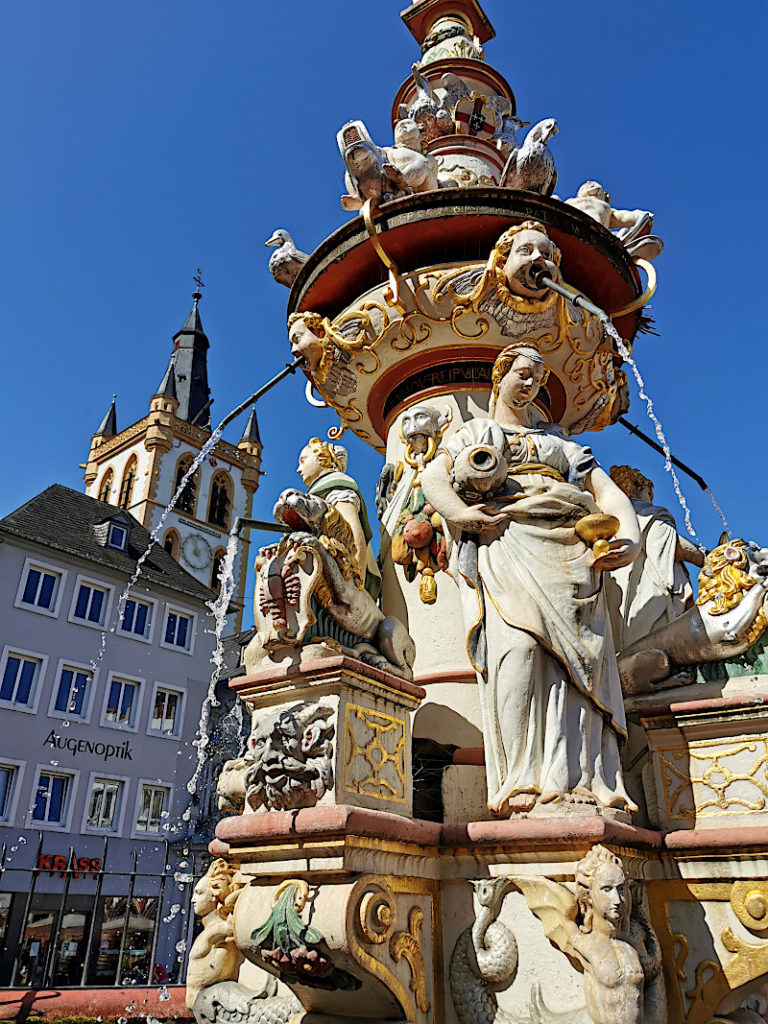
x=310 y=589
x=728 y=617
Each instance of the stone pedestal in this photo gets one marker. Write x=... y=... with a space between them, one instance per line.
x=367 y=716
x=708 y=764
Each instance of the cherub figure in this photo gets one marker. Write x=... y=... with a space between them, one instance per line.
x=632 y=227
x=214 y=956
x=605 y=932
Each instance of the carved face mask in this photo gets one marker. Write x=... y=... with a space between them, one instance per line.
x=290 y=754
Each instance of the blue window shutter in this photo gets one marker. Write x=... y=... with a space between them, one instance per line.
x=82 y=601
x=9 y=678
x=46 y=591
x=25 y=683
x=30 y=589
x=97 y=603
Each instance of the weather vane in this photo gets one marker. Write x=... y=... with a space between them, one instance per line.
x=198 y=278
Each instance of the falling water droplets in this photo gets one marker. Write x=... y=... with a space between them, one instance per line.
x=201 y=456
x=219 y=611
x=627 y=357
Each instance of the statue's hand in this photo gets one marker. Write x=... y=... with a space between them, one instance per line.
x=476 y=518
x=623 y=552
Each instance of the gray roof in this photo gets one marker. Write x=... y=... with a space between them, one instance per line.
x=168 y=383
x=68 y=521
x=232 y=646
x=108 y=425
x=190 y=364
x=251 y=432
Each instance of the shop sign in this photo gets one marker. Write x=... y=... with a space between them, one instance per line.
x=53 y=862
x=120 y=752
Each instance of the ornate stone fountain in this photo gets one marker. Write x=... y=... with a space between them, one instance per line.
x=603 y=783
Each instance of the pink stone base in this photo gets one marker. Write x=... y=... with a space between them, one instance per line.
x=318 y=669
x=523 y=834
x=51 y=1004
x=341 y=820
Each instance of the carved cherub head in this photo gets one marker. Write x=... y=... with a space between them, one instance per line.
x=408 y=134
x=422 y=427
x=291 y=758
x=601 y=890
x=633 y=483
x=306 y=334
x=518 y=374
x=217 y=890
x=594 y=190
x=528 y=249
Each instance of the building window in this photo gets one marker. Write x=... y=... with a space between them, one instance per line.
x=218 y=557
x=122 y=702
x=90 y=604
x=72 y=693
x=41 y=588
x=51 y=799
x=105 y=490
x=171 y=543
x=8 y=777
x=117 y=536
x=126 y=487
x=104 y=804
x=187 y=498
x=20 y=678
x=178 y=631
x=166 y=713
x=152 y=808
x=137 y=618
x=221 y=500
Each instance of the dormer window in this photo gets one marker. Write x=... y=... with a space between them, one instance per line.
x=117 y=536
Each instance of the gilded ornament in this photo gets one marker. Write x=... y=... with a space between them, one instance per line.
x=407 y=946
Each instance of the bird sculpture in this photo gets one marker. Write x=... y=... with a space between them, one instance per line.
x=286 y=261
x=532 y=166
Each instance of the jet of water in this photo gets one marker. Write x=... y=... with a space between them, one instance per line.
x=627 y=357
x=219 y=611
x=201 y=456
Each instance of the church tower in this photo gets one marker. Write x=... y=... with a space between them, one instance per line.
x=140 y=467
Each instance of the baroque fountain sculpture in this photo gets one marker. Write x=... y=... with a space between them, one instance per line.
x=514 y=770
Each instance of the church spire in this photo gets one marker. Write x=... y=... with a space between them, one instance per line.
x=108 y=426
x=251 y=432
x=190 y=366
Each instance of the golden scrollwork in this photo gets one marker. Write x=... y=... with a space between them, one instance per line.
x=716 y=777
x=406 y=946
x=372 y=912
x=381 y=754
x=749 y=899
x=375 y=918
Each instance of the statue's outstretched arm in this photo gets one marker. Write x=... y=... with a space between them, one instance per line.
x=613 y=501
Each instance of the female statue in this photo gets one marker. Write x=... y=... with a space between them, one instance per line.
x=214 y=956
x=538 y=630
x=322 y=468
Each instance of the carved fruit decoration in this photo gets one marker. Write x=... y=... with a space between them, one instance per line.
x=418 y=544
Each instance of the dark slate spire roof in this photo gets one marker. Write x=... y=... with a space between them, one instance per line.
x=66 y=520
x=108 y=425
x=251 y=432
x=168 y=384
x=190 y=365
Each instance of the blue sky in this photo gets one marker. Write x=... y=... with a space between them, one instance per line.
x=142 y=140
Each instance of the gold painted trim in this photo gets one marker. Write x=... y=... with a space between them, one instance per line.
x=641 y=300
